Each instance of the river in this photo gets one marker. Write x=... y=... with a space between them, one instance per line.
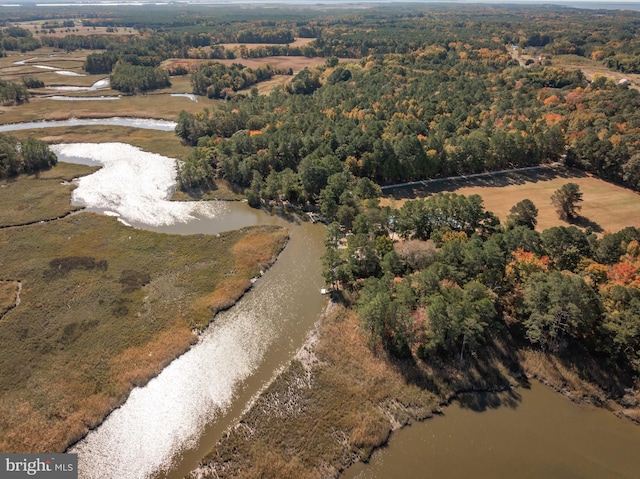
x=166 y=427
x=144 y=123
x=528 y=433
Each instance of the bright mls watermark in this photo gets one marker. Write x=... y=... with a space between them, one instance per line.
x=45 y=466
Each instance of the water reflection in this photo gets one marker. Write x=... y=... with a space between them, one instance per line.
x=144 y=123
x=166 y=427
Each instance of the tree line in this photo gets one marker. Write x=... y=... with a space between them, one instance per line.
x=24 y=156
x=457 y=277
x=13 y=93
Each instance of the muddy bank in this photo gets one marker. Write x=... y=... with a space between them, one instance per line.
x=219 y=300
x=338 y=401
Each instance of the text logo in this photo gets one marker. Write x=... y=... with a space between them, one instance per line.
x=40 y=466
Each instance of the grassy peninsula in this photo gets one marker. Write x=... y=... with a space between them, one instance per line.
x=101 y=308
x=437 y=292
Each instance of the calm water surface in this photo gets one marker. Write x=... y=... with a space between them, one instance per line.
x=165 y=428
x=530 y=434
x=144 y=123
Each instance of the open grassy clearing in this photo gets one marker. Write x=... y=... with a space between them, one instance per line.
x=105 y=307
x=298 y=42
x=592 y=69
x=606 y=207
x=30 y=198
x=280 y=62
x=266 y=87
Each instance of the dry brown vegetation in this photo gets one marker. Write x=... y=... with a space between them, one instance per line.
x=103 y=308
x=160 y=105
x=341 y=411
x=298 y=42
x=278 y=62
x=338 y=400
x=606 y=206
x=157 y=104
x=79 y=29
x=30 y=198
x=342 y=400
x=8 y=295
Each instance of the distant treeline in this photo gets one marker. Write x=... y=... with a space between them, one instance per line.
x=13 y=93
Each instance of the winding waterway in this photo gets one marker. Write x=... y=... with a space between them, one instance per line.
x=166 y=427
x=144 y=123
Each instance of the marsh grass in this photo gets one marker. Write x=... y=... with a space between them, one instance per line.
x=164 y=143
x=311 y=424
x=8 y=295
x=104 y=307
x=160 y=105
x=339 y=402
x=30 y=198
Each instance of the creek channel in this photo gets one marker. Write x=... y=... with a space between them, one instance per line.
x=166 y=427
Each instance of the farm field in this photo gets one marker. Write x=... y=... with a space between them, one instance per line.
x=298 y=42
x=605 y=206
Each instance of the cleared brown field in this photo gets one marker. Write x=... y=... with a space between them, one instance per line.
x=298 y=42
x=295 y=63
x=592 y=69
x=265 y=87
x=606 y=207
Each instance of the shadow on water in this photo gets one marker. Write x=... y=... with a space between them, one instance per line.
x=481 y=381
x=489 y=181
x=483 y=401
x=289 y=214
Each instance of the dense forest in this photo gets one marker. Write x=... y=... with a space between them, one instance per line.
x=408 y=117
x=459 y=278
x=411 y=93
